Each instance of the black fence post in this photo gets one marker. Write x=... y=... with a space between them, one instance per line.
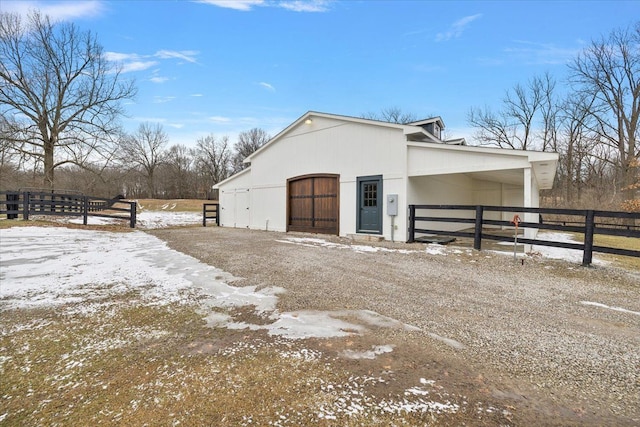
x=26 y=196
x=85 y=210
x=12 y=197
x=412 y=224
x=477 y=234
x=589 y=228
x=204 y=214
x=134 y=210
x=218 y=214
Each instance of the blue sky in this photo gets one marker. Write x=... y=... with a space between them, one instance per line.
x=223 y=67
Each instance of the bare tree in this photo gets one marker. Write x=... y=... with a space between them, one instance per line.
x=392 y=115
x=145 y=151
x=576 y=143
x=515 y=125
x=609 y=69
x=213 y=159
x=248 y=143
x=58 y=93
x=549 y=112
x=179 y=174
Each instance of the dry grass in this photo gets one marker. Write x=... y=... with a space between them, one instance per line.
x=629 y=263
x=618 y=242
x=119 y=361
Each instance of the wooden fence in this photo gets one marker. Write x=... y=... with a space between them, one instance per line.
x=588 y=222
x=210 y=211
x=28 y=203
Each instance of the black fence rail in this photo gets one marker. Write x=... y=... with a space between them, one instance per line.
x=28 y=203
x=587 y=222
x=210 y=211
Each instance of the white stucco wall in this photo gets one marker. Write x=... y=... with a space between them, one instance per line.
x=448 y=189
x=331 y=146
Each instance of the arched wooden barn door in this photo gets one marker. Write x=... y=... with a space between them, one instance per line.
x=313 y=204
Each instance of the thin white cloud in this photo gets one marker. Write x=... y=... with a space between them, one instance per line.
x=163 y=99
x=185 y=55
x=117 y=56
x=305 y=5
x=540 y=53
x=457 y=28
x=243 y=5
x=135 y=62
x=267 y=86
x=137 y=66
x=129 y=62
x=196 y=94
x=414 y=32
x=57 y=11
x=293 y=5
x=219 y=119
x=158 y=79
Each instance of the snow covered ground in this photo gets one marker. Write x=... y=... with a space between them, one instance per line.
x=55 y=265
x=148 y=219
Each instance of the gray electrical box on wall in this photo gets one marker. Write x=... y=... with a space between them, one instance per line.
x=392 y=204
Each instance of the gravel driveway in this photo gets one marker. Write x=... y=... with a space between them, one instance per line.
x=556 y=343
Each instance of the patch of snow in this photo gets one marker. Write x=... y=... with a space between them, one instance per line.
x=572 y=255
x=620 y=309
x=425 y=381
x=144 y=219
x=376 y=319
x=367 y=354
x=448 y=341
x=91 y=220
x=314 y=242
x=435 y=249
x=351 y=400
x=156 y=219
x=54 y=265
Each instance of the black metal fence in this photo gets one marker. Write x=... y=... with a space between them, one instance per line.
x=587 y=222
x=210 y=211
x=28 y=203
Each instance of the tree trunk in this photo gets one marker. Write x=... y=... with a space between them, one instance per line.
x=151 y=188
x=48 y=164
x=629 y=180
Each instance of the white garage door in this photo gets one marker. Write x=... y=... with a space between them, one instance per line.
x=235 y=208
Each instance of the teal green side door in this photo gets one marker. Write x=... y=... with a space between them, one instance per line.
x=369 y=204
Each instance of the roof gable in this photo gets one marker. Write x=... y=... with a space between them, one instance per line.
x=431 y=120
x=412 y=131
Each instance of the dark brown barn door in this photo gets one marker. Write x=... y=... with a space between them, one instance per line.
x=312 y=204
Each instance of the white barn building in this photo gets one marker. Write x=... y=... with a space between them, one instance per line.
x=341 y=175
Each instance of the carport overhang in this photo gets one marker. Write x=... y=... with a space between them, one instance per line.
x=514 y=167
x=529 y=170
